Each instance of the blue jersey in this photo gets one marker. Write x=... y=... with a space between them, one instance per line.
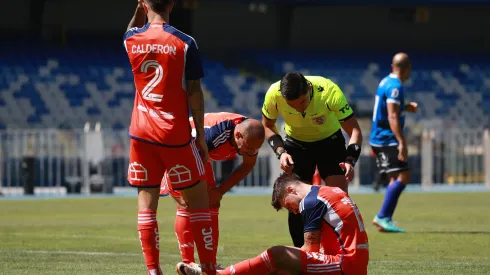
x=390 y=90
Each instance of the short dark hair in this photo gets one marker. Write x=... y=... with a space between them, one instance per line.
x=280 y=188
x=293 y=85
x=159 y=6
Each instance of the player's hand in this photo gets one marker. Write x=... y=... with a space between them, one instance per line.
x=348 y=169
x=140 y=4
x=215 y=196
x=402 y=152
x=412 y=107
x=180 y=201
x=203 y=149
x=287 y=163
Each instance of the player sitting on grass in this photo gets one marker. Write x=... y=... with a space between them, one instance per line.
x=227 y=135
x=335 y=240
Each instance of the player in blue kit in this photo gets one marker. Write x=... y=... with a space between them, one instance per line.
x=387 y=138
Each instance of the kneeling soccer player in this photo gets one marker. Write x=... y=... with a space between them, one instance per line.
x=335 y=240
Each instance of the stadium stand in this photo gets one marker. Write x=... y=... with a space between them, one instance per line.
x=43 y=88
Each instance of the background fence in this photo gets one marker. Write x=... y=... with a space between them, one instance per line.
x=91 y=161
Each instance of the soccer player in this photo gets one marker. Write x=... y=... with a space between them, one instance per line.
x=335 y=240
x=227 y=135
x=387 y=138
x=314 y=111
x=167 y=70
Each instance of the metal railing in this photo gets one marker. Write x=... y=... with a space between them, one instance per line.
x=64 y=158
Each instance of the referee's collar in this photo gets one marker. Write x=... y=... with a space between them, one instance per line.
x=311 y=97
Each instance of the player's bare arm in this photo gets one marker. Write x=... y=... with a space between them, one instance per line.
x=312 y=241
x=394 y=120
x=239 y=173
x=273 y=138
x=139 y=17
x=270 y=128
x=196 y=103
x=180 y=202
x=352 y=128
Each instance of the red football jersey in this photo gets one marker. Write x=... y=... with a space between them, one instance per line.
x=218 y=131
x=162 y=59
x=330 y=210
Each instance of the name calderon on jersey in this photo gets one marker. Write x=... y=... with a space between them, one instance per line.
x=154 y=48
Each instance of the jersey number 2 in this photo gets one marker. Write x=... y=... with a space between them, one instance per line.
x=153 y=82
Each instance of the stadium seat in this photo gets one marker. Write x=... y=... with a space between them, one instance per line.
x=37 y=87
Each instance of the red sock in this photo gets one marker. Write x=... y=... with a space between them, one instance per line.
x=150 y=240
x=317 y=179
x=215 y=225
x=262 y=264
x=184 y=236
x=202 y=231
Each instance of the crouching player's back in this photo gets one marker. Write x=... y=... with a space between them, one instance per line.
x=343 y=245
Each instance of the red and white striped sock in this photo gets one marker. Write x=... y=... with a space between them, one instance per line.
x=183 y=232
x=150 y=240
x=202 y=231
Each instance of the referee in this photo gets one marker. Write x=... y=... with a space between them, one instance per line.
x=314 y=110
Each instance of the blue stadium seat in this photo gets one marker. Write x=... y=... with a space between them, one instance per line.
x=89 y=84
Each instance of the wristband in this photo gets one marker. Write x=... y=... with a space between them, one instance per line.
x=275 y=141
x=280 y=152
x=353 y=153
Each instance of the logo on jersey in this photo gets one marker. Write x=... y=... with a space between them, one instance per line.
x=345 y=108
x=395 y=93
x=179 y=174
x=319 y=120
x=136 y=171
x=321 y=89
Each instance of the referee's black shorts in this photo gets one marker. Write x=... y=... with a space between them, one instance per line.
x=326 y=154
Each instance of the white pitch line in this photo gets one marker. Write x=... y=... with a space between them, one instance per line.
x=89 y=253
x=164 y=238
x=97 y=253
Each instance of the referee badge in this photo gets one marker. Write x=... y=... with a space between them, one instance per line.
x=319 y=120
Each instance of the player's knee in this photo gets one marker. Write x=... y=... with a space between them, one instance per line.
x=285 y=258
x=276 y=253
x=196 y=197
x=148 y=198
x=405 y=177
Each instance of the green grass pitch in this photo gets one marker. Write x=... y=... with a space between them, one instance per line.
x=447 y=234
